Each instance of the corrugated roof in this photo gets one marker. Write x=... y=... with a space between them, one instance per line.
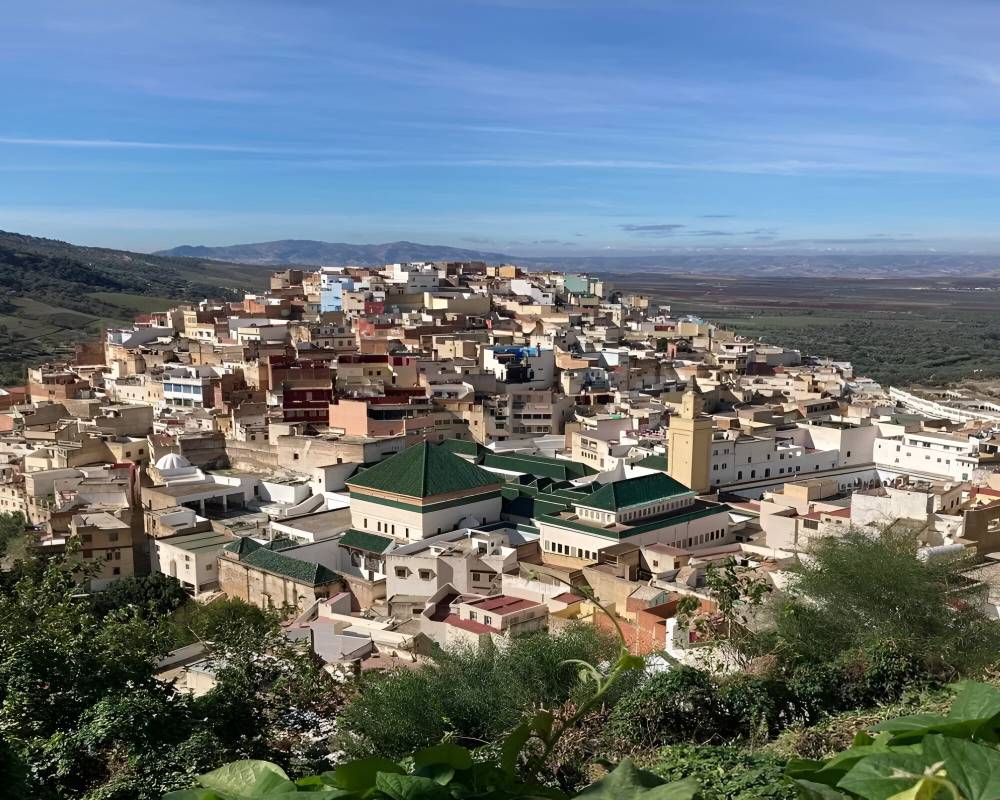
x=635 y=492
x=362 y=540
x=423 y=470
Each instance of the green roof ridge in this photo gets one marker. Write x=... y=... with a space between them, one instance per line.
x=424 y=470
x=243 y=545
x=362 y=540
x=635 y=491
x=306 y=572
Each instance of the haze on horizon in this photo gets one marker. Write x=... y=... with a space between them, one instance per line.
x=564 y=127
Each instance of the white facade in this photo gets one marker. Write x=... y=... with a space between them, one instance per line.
x=938 y=456
x=416 y=523
x=574 y=542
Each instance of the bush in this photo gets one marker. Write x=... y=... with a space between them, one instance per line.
x=681 y=705
x=859 y=592
x=156 y=595
x=877 y=673
x=757 y=708
x=228 y=621
x=474 y=694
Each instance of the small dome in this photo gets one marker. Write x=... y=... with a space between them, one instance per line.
x=172 y=461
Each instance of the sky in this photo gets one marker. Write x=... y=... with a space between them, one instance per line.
x=514 y=126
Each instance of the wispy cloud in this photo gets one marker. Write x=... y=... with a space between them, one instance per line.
x=661 y=229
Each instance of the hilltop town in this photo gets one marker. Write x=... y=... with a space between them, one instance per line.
x=438 y=453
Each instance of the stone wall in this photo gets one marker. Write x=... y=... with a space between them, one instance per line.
x=267 y=590
x=252 y=456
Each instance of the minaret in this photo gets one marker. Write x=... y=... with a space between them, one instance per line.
x=689 y=444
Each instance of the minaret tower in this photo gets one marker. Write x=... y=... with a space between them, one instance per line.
x=689 y=444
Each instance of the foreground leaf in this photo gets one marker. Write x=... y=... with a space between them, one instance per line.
x=973 y=768
x=248 y=779
x=359 y=776
x=884 y=775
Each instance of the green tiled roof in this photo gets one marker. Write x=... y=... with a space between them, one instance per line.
x=242 y=546
x=653 y=462
x=369 y=542
x=281 y=543
x=528 y=504
x=301 y=571
x=540 y=466
x=423 y=470
x=460 y=447
x=635 y=492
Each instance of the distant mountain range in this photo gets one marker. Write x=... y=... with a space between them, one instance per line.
x=308 y=252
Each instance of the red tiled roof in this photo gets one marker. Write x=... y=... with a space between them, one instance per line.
x=568 y=597
x=469 y=625
x=503 y=604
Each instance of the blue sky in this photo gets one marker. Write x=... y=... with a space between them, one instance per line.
x=518 y=126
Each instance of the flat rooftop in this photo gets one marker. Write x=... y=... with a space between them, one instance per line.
x=338 y=519
x=198 y=542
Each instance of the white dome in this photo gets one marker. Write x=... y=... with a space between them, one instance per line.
x=172 y=461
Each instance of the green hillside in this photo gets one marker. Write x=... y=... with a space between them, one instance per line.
x=52 y=294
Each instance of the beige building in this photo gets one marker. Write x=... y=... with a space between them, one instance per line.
x=265 y=577
x=689 y=443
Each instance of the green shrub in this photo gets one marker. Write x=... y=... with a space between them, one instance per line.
x=877 y=673
x=156 y=595
x=860 y=593
x=681 y=705
x=475 y=694
x=757 y=708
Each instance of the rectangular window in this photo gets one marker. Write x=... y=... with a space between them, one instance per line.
x=401 y=572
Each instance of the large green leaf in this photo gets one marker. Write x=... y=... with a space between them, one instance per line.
x=810 y=790
x=626 y=782
x=919 y=724
x=973 y=768
x=973 y=713
x=975 y=701
x=453 y=755
x=512 y=746
x=410 y=787
x=359 y=776
x=677 y=790
x=248 y=779
x=883 y=775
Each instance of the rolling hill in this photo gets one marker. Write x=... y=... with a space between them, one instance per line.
x=53 y=293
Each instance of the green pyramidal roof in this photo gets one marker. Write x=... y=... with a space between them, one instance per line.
x=635 y=492
x=424 y=470
x=243 y=546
